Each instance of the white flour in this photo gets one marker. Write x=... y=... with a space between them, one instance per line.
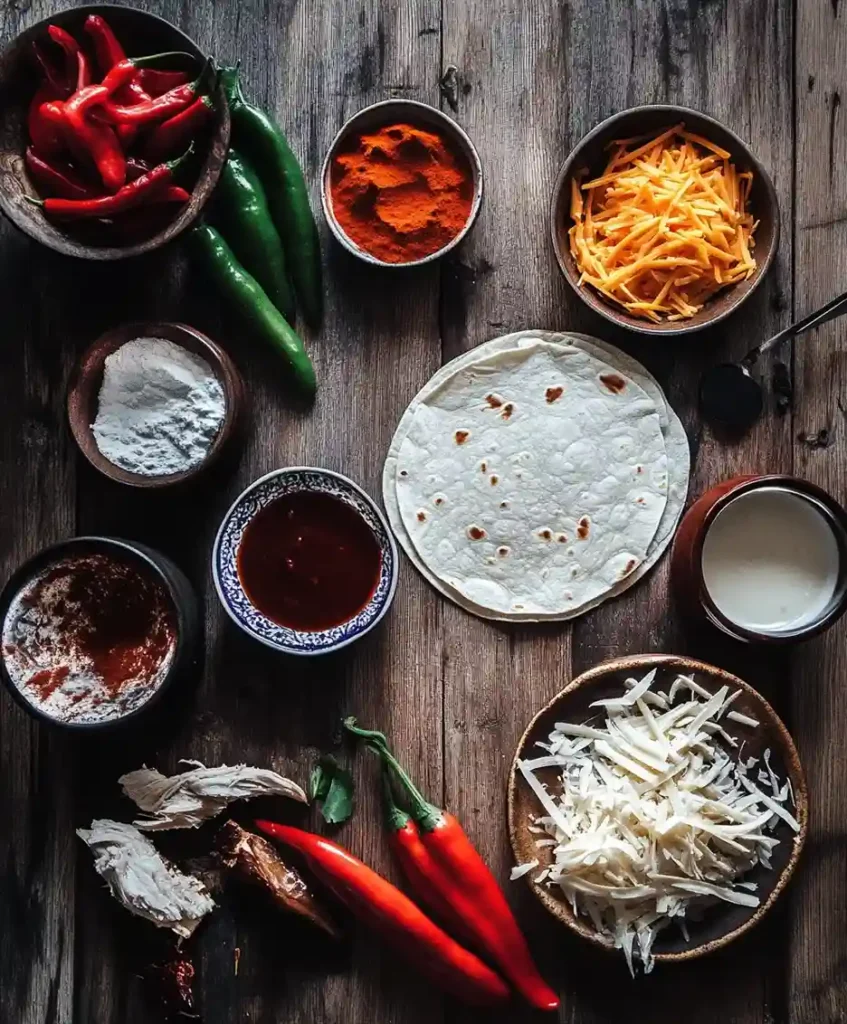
x=160 y=408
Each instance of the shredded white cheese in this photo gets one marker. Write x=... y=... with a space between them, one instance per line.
x=656 y=814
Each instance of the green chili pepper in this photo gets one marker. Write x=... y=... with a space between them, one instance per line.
x=246 y=222
x=266 y=147
x=249 y=298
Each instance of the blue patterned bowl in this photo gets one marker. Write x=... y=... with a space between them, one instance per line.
x=225 y=571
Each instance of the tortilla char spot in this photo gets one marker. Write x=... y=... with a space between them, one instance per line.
x=438 y=501
x=583 y=528
x=640 y=501
x=503 y=551
x=483 y=466
x=421 y=516
x=504 y=504
x=613 y=382
x=476 y=532
x=507 y=411
x=518 y=607
x=639 y=469
x=551 y=394
x=545 y=534
x=461 y=436
x=562 y=539
x=568 y=596
x=574 y=572
x=627 y=569
x=404 y=472
x=494 y=401
x=494 y=479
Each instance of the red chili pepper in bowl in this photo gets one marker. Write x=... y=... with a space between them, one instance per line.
x=109 y=52
x=173 y=135
x=159 y=109
x=448 y=873
x=156 y=81
x=136 y=193
x=55 y=179
x=77 y=67
x=391 y=913
x=44 y=135
x=89 y=137
x=61 y=85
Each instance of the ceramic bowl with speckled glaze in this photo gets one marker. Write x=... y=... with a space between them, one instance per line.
x=231 y=592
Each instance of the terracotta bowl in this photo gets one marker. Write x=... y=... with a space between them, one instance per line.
x=725 y=922
x=85 y=384
x=590 y=155
x=141 y=33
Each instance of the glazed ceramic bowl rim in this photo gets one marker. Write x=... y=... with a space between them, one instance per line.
x=346 y=641
x=53 y=553
x=560 y=908
x=596 y=302
x=454 y=129
x=831 y=511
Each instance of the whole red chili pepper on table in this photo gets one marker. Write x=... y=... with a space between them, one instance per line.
x=377 y=902
x=143 y=190
x=447 y=872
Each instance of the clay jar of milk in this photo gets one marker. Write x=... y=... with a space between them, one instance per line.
x=763 y=558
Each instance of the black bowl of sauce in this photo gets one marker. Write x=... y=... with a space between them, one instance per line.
x=304 y=561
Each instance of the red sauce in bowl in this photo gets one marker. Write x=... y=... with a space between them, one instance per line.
x=309 y=561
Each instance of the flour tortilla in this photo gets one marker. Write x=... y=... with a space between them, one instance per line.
x=676 y=443
x=533 y=480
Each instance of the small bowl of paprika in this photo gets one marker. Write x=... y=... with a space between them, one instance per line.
x=113 y=179
x=401 y=184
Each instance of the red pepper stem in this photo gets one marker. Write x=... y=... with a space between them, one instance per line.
x=395 y=817
x=424 y=814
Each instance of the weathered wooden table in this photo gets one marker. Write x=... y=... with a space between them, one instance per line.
x=454 y=692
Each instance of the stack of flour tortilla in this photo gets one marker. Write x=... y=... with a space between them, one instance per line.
x=537 y=476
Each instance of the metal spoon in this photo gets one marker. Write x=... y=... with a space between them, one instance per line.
x=730 y=397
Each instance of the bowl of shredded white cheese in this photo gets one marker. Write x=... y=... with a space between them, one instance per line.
x=657 y=806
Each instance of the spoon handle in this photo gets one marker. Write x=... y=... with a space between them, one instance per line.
x=835 y=307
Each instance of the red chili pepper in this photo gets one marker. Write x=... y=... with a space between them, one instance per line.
x=380 y=904
x=158 y=109
x=109 y=52
x=456 y=881
x=58 y=81
x=77 y=67
x=88 y=135
x=43 y=134
x=136 y=193
x=173 y=135
x=55 y=179
x=155 y=81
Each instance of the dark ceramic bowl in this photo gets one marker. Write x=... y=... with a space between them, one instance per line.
x=179 y=591
x=686 y=558
x=590 y=155
x=720 y=924
x=414 y=113
x=84 y=391
x=141 y=33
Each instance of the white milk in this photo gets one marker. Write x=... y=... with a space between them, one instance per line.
x=770 y=561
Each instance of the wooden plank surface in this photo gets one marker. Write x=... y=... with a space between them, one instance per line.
x=454 y=693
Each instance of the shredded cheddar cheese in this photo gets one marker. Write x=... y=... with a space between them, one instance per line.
x=665 y=226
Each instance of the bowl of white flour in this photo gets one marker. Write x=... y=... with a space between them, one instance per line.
x=154 y=404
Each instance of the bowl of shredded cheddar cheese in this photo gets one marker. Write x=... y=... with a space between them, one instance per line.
x=663 y=221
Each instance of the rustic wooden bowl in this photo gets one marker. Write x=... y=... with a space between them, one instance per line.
x=724 y=922
x=590 y=155
x=88 y=376
x=141 y=33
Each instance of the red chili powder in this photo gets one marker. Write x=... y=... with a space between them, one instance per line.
x=104 y=613
x=401 y=193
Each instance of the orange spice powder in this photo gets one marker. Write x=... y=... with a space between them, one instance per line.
x=401 y=193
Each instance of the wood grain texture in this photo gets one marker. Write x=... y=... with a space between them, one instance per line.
x=454 y=693
x=818 y=978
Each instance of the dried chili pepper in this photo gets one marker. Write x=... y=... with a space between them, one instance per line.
x=55 y=179
x=136 y=193
x=173 y=135
x=378 y=903
x=155 y=81
x=448 y=873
